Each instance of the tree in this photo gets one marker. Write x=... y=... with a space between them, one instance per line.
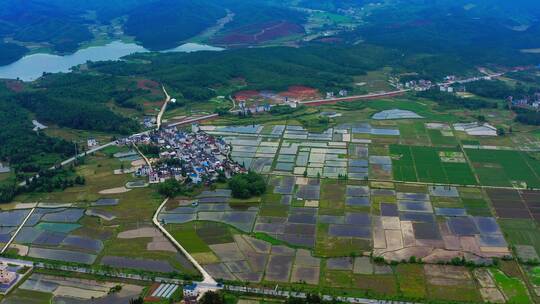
x=310 y=299
x=8 y=190
x=171 y=188
x=247 y=185
x=481 y=118
x=501 y=132
x=212 y=297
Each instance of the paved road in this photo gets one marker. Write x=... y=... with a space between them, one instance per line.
x=146 y=160
x=353 y=98
x=193 y=120
x=163 y=107
x=207 y=278
x=17 y=231
x=72 y=159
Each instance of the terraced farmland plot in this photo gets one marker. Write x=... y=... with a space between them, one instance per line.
x=505 y=168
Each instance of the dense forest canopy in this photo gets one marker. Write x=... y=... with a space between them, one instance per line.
x=166 y=29
x=476 y=31
x=11 y=52
x=24 y=149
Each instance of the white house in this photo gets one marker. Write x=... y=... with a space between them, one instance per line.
x=6 y=277
x=91 y=142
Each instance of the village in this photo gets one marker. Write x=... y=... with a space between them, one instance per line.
x=191 y=157
x=528 y=102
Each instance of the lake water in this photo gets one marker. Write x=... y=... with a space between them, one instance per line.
x=31 y=67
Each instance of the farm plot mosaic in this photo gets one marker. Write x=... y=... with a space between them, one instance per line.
x=85 y=234
x=355 y=207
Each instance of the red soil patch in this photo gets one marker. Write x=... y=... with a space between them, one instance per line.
x=150 y=291
x=301 y=93
x=147 y=84
x=262 y=32
x=245 y=95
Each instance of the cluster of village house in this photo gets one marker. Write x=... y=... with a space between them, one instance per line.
x=186 y=156
x=265 y=100
x=451 y=84
x=530 y=102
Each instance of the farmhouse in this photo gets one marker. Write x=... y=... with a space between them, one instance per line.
x=91 y=142
x=6 y=277
x=4 y=169
x=190 y=293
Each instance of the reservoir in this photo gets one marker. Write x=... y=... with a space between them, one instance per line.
x=31 y=67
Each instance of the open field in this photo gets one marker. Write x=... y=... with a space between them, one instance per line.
x=432 y=165
x=505 y=168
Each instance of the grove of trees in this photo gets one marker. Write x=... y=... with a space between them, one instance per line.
x=247 y=185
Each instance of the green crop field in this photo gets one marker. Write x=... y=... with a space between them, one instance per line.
x=187 y=235
x=513 y=288
x=438 y=139
x=521 y=232
x=414 y=133
x=476 y=207
x=423 y=164
x=505 y=168
x=28 y=297
x=332 y=197
x=412 y=281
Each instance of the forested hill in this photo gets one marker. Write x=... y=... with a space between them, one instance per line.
x=477 y=31
x=165 y=24
x=63 y=26
x=24 y=149
x=320 y=66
